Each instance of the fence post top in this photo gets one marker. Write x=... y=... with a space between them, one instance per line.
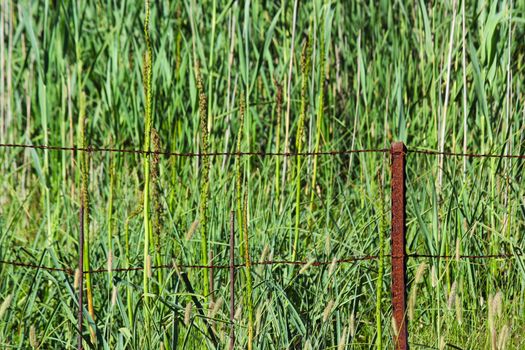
x=398 y=147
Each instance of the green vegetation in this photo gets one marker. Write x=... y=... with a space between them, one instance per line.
x=260 y=76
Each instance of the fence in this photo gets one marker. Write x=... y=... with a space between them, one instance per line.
x=398 y=153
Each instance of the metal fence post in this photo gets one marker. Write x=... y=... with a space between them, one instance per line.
x=399 y=259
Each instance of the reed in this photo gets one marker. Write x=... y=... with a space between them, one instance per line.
x=84 y=159
x=379 y=72
x=146 y=161
x=242 y=214
x=320 y=113
x=205 y=177
x=381 y=262
x=110 y=220
x=157 y=211
x=305 y=66
x=278 y=117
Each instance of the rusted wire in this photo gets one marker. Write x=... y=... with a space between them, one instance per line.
x=190 y=154
x=71 y=271
x=254 y=153
x=171 y=266
x=472 y=257
x=467 y=155
x=37 y=267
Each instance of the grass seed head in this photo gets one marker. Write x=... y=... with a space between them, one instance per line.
x=442 y=343
x=503 y=337
x=342 y=340
x=187 y=313
x=497 y=304
x=32 y=337
x=419 y=273
x=238 y=313
x=394 y=327
x=452 y=296
x=490 y=320
x=434 y=276
x=76 y=281
x=192 y=229
x=328 y=310
x=305 y=267
x=258 y=317
x=5 y=305
x=217 y=305
x=459 y=310
x=332 y=267
x=412 y=302
x=110 y=260
x=352 y=324
x=327 y=245
x=148 y=266
x=114 y=295
x=265 y=252
x=307 y=345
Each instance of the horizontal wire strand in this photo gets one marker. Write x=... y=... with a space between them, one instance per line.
x=490 y=256
x=262 y=263
x=466 y=155
x=175 y=266
x=191 y=154
x=262 y=154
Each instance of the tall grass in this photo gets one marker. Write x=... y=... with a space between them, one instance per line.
x=305 y=66
x=205 y=178
x=147 y=68
x=379 y=72
x=242 y=214
x=84 y=158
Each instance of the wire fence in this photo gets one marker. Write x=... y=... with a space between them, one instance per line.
x=398 y=211
x=92 y=149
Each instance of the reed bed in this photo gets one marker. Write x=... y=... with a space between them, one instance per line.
x=290 y=76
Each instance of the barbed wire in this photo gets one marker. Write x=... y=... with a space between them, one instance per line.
x=466 y=155
x=351 y=259
x=473 y=257
x=71 y=271
x=91 y=149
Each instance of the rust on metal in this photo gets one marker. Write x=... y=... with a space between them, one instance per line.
x=70 y=271
x=92 y=149
x=399 y=258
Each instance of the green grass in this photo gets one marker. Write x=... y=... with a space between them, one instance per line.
x=378 y=72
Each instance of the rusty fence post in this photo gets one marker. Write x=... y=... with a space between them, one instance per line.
x=399 y=258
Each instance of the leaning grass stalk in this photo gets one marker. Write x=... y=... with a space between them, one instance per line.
x=156 y=204
x=381 y=268
x=243 y=219
x=110 y=221
x=129 y=297
x=288 y=95
x=247 y=261
x=146 y=159
x=443 y=124
x=305 y=64
x=278 y=113
x=238 y=169
x=205 y=179
x=320 y=111
x=84 y=171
